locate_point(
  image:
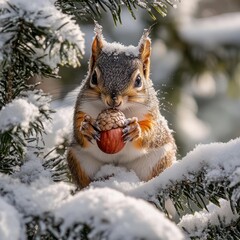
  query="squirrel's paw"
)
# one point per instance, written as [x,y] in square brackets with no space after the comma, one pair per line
[132,129]
[89,129]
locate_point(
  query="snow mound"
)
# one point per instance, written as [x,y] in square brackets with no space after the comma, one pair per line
[219,160]
[44,15]
[117,48]
[109,213]
[9,222]
[197,222]
[18,113]
[116,216]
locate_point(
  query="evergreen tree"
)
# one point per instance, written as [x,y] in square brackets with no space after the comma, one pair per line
[35,39]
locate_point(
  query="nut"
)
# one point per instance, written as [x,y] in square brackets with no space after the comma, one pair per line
[110,118]
[111,141]
[111,122]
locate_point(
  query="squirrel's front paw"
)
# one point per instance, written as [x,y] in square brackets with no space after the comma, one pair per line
[89,129]
[132,129]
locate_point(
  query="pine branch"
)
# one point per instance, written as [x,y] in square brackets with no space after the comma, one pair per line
[17,132]
[58,168]
[37,39]
[94,8]
[229,231]
[194,190]
[208,173]
[46,227]
[33,42]
[215,223]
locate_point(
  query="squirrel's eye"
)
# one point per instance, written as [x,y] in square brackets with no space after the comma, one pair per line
[94,78]
[138,82]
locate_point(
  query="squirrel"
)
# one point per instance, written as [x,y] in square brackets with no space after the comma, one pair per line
[118,77]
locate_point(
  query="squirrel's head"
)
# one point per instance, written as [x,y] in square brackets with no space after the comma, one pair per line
[119,74]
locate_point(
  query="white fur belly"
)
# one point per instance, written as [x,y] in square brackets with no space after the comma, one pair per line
[92,158]
[141,162]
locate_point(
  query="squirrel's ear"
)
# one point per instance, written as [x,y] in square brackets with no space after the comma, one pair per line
[145,52]
[97,43]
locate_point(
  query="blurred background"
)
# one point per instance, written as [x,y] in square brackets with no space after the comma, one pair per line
[195,65]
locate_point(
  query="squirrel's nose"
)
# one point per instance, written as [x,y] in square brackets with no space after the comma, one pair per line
[114,102]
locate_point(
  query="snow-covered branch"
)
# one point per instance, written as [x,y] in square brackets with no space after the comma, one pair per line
[100,211]
[9,217]
[97,213]
[208,172]
[47,33]
[21,123]
[25,113]
[206,223]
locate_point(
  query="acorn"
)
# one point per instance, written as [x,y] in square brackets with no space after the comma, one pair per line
[111,122]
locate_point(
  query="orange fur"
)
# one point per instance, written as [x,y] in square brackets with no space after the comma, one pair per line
[146,126]
[145,52]
[163,163]
[78,119]
[79,176]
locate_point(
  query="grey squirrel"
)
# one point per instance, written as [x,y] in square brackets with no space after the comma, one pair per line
[118,77]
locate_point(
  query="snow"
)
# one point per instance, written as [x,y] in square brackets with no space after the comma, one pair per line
[117,178]
[38,98]
[223,158]
[9,222]
[106,211]
[18,113]
[196,223]
[45,15]
[142,3]
[60,130]
[114,47]
[117,48]
[32,169]
[235,177]
[114,203]
[220,160]
[117,216]
[39,197]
